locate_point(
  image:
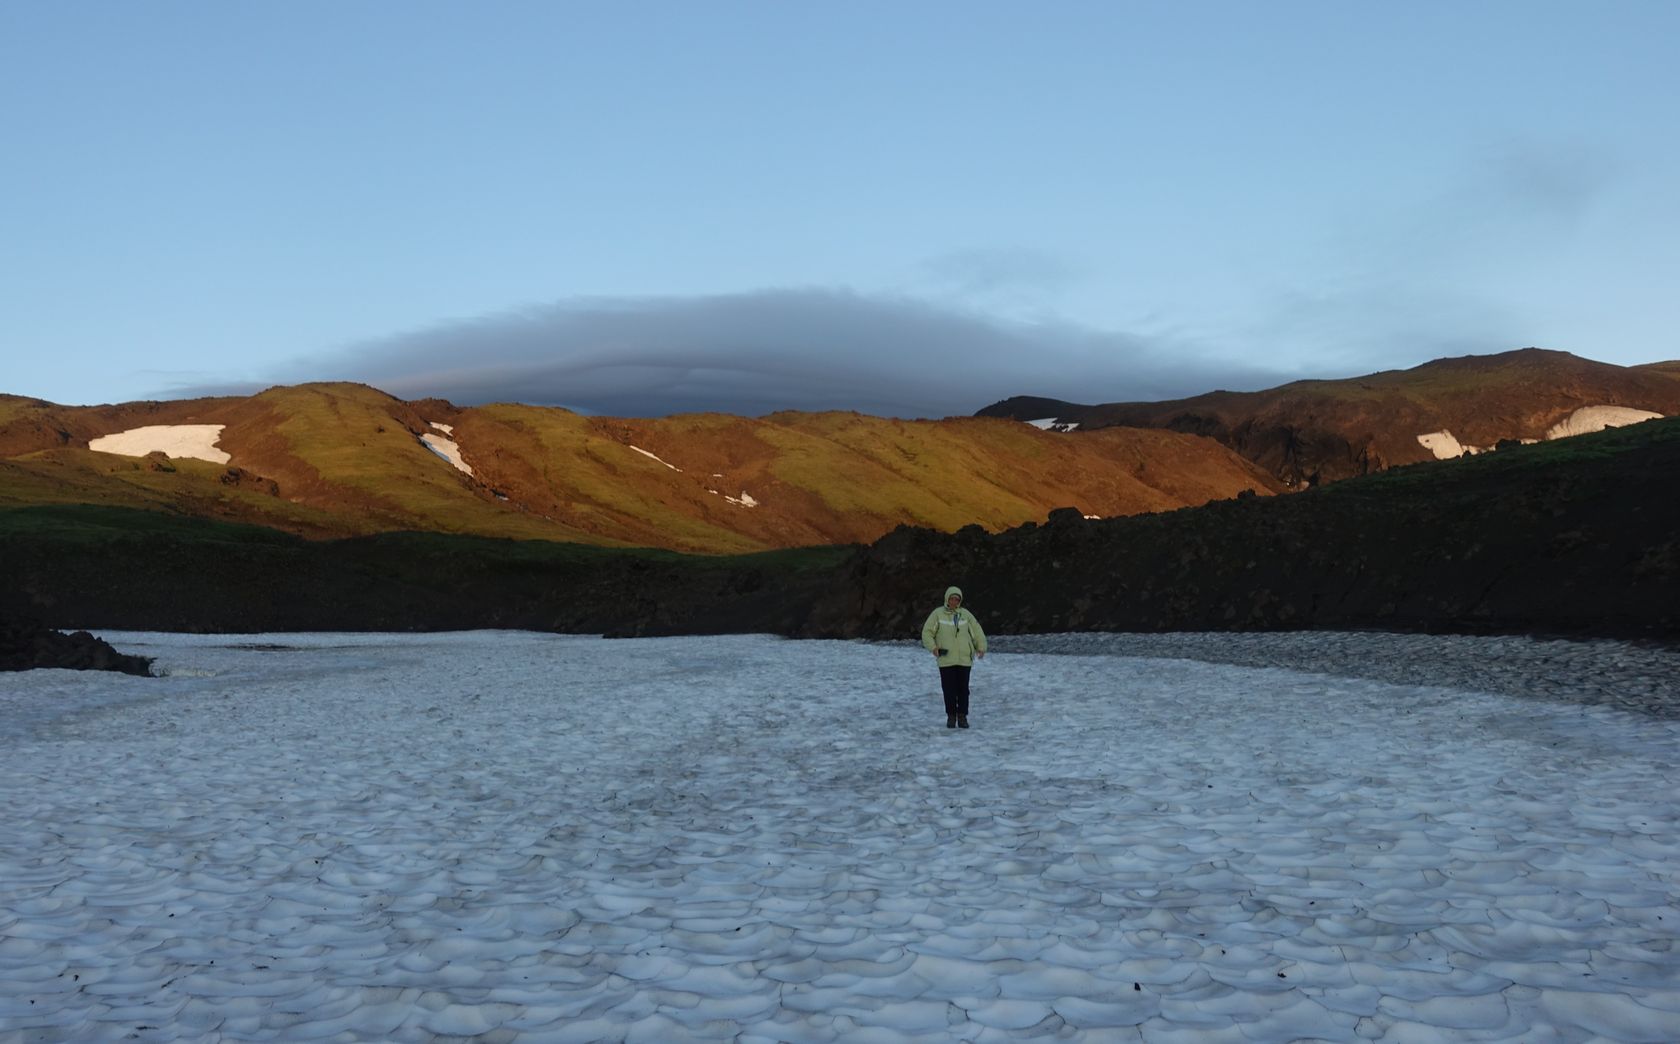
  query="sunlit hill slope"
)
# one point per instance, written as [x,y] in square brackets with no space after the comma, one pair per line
[334,460]
[1306,432]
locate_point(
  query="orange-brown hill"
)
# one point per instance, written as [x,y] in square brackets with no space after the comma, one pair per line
[327,460]
[1310,431]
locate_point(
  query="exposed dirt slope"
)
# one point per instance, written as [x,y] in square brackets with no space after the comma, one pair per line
[1311,431]
[329,460]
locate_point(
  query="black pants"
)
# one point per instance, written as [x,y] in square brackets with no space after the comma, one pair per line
[954,681]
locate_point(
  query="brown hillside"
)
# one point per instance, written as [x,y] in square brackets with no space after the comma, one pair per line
[29,425]
[345,459]
[1671,370]
[1308,431]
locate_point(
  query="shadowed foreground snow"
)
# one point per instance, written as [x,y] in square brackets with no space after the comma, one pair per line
[516,836]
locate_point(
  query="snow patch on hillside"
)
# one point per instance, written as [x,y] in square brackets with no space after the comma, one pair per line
[1444,445]
[1053,424]
[650,456]
[1589,419]
[445,448]
[1583,421]
[744,500]
[173,440]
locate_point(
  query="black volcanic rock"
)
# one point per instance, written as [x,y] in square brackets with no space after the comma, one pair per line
[25,645]
[1575,537]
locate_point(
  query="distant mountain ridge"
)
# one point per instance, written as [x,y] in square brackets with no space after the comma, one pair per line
[337,460]
[1576,536]
[1310,431]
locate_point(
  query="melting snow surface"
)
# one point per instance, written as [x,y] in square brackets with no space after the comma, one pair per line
[446,448]
[745,499]
[384,837]
[1583,421]
[1052,424]
[1596,418]
[1444,445]
[174,440]
[645,453]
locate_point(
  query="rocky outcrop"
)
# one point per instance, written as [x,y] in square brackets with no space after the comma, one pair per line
[25,645]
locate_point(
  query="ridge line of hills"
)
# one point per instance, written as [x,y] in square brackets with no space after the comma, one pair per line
[336,460]
[342,508]
[1311,431]
[1577,537]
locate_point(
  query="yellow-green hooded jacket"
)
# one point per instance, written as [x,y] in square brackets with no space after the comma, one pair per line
[955,631]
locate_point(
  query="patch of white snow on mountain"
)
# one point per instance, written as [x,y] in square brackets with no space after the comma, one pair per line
[174,440]
[745,500]
[1583,421]
[1589,419]
[446,448]
[447,429]
[1445,446]
[645,453]
[1052,424]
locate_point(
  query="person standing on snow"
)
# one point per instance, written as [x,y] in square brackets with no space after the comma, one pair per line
[954,637]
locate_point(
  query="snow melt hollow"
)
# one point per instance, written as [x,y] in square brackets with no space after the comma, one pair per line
[1305,856]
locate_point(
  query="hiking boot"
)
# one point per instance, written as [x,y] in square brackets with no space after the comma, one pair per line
[950,721]
[962,721]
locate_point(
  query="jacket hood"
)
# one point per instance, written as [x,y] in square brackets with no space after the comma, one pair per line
[949,591]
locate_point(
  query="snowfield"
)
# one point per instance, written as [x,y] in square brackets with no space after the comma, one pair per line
[172,440]
[510,836]
[445,446]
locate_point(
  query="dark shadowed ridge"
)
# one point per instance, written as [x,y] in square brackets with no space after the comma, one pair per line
[1580,536]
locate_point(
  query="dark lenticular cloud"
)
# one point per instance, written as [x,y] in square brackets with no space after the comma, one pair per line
[756,353]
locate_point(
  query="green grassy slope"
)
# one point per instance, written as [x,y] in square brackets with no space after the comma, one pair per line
[328,460]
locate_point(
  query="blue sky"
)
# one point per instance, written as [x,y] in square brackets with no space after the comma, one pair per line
[912,208]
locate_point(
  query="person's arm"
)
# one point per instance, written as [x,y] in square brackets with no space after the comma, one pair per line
[978,635]
[928,633]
